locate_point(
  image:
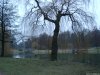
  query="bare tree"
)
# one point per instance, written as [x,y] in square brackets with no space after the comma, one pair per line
[7,18]
[55,11]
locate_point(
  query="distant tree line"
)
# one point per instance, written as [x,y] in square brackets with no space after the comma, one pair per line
[66,40]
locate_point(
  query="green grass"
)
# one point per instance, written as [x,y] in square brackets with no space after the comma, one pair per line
[10,66]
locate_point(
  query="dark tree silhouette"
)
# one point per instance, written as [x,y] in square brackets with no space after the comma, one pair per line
[7,17]
[55,11]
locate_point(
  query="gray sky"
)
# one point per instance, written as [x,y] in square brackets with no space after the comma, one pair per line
[97,11]
[93,8]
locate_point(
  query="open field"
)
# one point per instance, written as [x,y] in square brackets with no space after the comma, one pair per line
[10,66]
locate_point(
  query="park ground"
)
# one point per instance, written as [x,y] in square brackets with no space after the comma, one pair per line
[29,66]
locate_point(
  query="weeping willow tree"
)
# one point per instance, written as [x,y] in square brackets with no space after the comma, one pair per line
[55,11]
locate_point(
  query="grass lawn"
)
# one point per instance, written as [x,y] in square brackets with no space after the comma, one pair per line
[10,66]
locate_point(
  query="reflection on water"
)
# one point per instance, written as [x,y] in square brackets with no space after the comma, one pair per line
[18,56]
[22,54]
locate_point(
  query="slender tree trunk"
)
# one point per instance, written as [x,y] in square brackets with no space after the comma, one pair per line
[3,30]
[2,42]
[3,38]
[55,43]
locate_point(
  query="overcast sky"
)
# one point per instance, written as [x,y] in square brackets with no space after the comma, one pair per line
[97,11]
[93,8]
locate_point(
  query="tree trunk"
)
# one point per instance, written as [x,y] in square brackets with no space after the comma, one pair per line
[2,42]
[3,39]
[3,31]
[54,49]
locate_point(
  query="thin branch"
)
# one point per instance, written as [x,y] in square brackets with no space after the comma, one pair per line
[44,14]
